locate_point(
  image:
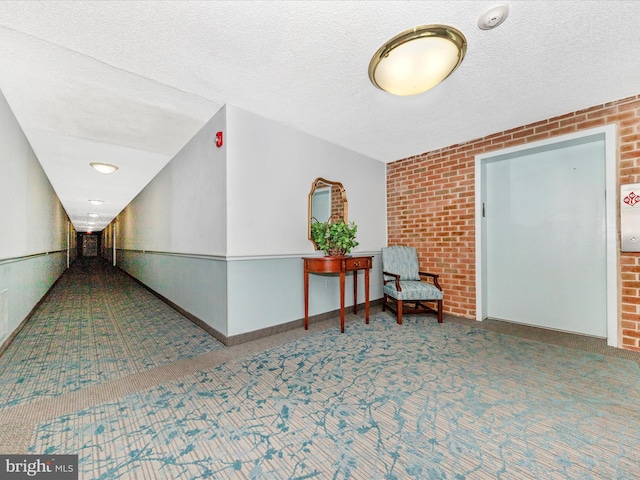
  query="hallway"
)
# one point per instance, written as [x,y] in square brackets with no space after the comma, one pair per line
[96,338]
[106,370]
[95,324]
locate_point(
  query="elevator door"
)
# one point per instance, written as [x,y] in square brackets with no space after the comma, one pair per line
[545,220]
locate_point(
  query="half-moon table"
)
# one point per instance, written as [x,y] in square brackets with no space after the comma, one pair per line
[340,265]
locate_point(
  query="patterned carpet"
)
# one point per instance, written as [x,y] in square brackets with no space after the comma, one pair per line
[384,401]
[96,324]
[381,401]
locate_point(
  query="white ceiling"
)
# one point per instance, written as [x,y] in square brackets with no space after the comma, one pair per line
[130,83]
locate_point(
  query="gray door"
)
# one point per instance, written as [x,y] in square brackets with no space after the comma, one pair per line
[89,245]
[545,238]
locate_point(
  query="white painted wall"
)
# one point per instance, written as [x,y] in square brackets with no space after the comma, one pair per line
[184,208]
[270,171]
[245,205]
[182,212]
[271,168]
[32,222]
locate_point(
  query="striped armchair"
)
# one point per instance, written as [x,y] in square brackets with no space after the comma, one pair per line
[403,284]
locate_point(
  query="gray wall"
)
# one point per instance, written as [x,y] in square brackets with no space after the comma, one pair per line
[270,170]
[221,231]
[33,239]
[172,236]
[196,284]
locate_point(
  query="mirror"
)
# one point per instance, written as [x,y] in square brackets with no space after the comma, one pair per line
[327,202]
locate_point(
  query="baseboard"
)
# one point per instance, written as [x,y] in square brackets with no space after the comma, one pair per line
[268,331]
[249,336]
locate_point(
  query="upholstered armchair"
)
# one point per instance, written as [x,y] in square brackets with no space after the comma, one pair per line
[404,285]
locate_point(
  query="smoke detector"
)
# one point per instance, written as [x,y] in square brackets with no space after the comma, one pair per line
[493,17]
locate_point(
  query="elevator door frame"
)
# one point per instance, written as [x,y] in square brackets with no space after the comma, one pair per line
[609,134]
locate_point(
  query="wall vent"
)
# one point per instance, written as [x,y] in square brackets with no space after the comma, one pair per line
[4,314]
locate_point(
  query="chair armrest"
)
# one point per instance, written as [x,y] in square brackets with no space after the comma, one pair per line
[434,276]
[397,279]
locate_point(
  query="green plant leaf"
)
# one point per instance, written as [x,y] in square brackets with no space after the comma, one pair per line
[335,235]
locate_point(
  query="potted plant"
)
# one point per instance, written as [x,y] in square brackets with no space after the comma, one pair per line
[334,238]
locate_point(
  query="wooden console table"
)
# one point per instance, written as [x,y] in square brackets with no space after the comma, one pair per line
[339,265]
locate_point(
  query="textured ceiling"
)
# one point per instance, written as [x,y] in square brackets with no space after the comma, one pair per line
[130,83]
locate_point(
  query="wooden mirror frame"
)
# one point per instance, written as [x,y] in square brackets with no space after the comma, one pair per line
[320,183]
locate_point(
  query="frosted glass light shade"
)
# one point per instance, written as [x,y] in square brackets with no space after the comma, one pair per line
[417,60]
[104,167]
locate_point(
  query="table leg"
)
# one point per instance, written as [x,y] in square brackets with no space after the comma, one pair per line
[306,300]
[366,293]
[355,292]
[342,275]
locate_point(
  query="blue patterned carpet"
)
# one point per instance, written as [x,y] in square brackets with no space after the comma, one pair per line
[96,324]
[382,401]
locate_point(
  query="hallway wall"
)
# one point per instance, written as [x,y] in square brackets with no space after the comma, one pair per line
[220,232]
[270,170]
[172,236]
[33,243]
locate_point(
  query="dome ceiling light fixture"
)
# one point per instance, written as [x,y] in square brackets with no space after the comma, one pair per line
[418,59]
[105,168]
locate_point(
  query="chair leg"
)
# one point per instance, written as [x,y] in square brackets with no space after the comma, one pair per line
[439,311]
[384,302]
[399,313]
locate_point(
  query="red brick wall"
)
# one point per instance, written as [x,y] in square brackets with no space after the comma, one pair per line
[337,202]
[431,203]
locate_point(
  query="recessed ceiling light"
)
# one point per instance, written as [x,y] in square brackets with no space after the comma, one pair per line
[104,167]
[96,202]
[418,59]
[92,214]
